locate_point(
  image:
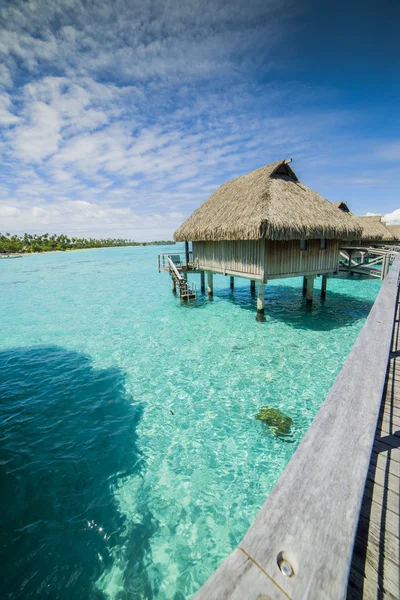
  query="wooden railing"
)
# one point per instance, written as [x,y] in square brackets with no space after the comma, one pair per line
[374,262]
[300,544]
[186,290]
[163,264]
[175,271]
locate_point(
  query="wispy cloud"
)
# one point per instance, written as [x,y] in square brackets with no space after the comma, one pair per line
[126,115]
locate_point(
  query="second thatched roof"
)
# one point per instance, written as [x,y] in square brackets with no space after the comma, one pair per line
[374,230]
[394,231]
[267,203]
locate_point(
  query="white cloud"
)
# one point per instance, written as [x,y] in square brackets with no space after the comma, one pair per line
[5,77]
[7,118]
[87,218]
[118,119]
[39,136]
[392,218]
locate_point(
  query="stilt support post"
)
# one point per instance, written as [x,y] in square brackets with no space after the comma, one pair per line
[323,286]
[304,286]
[261,302]
[310,289]
[210,284]
[202,282]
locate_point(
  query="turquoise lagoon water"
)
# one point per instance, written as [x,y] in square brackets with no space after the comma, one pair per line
[131,462]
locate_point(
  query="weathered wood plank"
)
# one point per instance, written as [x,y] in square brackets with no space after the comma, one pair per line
[236,574]
[374,564]
[388,480]
[387,546]
[387,519]
[376,550]
[361,588]
[378,494]
[383,461]
[285,257]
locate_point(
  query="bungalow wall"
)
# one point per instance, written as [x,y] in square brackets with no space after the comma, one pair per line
[265,259]
[285,258]
[243,257]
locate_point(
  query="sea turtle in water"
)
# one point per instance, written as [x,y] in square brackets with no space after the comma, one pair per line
[280,424]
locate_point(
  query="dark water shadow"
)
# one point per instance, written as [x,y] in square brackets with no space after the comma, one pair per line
[68,436]
[286,303]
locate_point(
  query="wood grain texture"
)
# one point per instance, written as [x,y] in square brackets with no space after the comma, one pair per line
[246,257]
[314,508]
[238,579]
[375,569]
[286,258]
[263,259]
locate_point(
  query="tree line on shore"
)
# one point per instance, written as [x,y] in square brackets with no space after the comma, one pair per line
[28,243]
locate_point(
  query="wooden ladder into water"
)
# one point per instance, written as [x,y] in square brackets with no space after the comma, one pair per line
[186,291]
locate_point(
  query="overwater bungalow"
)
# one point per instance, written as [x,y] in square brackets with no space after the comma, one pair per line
[373,230]
[267,225]
[395,231]
[373,251]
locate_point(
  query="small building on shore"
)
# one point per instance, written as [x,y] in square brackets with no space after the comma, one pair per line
[267,225]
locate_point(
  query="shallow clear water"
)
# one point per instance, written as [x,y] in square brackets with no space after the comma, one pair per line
[131,462]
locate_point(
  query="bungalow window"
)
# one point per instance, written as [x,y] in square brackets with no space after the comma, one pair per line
[303,244]
[323,244]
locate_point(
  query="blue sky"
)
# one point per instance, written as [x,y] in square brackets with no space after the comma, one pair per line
[118,118]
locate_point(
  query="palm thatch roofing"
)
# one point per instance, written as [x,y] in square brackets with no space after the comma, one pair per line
[374,230]
[267,203]
[395,231]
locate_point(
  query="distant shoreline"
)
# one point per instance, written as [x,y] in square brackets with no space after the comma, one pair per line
[13,254]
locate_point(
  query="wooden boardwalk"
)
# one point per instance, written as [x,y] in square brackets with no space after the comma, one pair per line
[375,570]
[310,530]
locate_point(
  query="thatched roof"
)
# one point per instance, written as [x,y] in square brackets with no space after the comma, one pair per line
[373,229]
[267,203]
[394,231]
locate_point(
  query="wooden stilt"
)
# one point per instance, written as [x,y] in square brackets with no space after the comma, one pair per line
[350,253]
[202,282]
[232,282]
[173,285]
[252,286]
[323,286]
[210,284]
[385,266]
[187,254]
[260,302]
[310,289]
[304,286]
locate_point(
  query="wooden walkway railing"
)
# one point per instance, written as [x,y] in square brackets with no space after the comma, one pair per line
[374,262]
[300,545]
